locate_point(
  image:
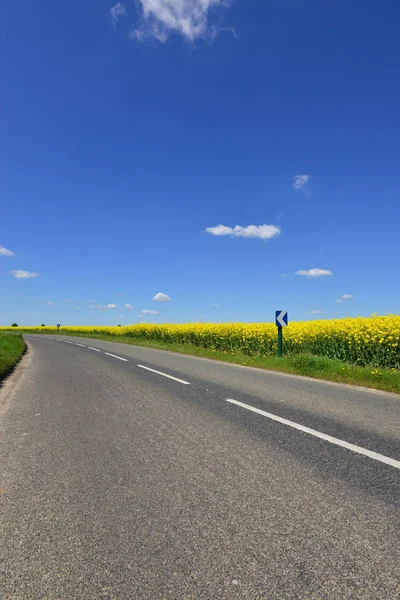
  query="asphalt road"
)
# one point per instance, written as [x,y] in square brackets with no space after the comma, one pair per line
[117,482]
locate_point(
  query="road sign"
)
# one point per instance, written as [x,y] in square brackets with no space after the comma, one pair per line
[281,318]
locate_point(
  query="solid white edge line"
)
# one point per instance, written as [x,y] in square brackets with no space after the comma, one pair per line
[164,375]
[82,345]
[323,436]
[95,349]
[114,356]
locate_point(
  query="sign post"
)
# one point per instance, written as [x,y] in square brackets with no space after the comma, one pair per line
[58,327]
[281,320]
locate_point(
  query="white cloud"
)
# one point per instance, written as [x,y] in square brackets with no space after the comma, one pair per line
[316,312]
[300,181]
[347,296]
[160,297]
[19,274]
[339,301]
[149,312]
[189,18]
[101,307]
[51,303]
[79,308]
[215,304]
[93,301]
[263,232]
[6,252]
[128,306]
[116,12]
[121,317]
[314,272]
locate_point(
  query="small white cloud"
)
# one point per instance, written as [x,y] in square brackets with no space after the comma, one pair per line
[215,304]
[314,273]
[316,312]
[116,12]
[79,308]
[6,252]
[347,296]
[51,303]
[262,232]
[19,274]
[189,18]
[149,312]
[121,317]
[111,306]
[199,320]
[93,301]
[128,306]
[339,301]
[299,181]
[160,297]
[284,275]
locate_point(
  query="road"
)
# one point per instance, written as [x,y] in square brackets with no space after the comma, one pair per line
[183,478]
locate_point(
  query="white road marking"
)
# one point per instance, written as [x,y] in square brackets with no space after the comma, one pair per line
[165,375]
[323,436]
[95,349]
[65,342]
[82,345]
[114,356]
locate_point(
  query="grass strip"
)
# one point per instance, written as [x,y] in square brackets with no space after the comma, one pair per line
[309,365]
[12,347]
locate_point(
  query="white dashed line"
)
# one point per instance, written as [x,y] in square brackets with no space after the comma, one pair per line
[323,436]
[95,349]
[82,345]
[65,342]
[165,375]
[114,356]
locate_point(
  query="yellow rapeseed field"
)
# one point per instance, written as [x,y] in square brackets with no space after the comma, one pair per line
[371,341]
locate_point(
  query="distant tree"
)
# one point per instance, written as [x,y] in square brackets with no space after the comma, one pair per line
[119,325]
[14,325]
[43,325]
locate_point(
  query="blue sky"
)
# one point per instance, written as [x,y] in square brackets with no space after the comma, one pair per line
[132,131]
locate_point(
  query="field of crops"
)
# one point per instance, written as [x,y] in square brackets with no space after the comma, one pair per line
[363,341]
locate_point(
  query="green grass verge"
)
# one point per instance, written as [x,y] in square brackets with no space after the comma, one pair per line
[12,347]
[319,367]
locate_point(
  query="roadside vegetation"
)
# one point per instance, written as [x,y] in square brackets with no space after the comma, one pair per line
[358,351]
[12,347]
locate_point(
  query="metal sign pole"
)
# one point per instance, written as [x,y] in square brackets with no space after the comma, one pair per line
[280,342]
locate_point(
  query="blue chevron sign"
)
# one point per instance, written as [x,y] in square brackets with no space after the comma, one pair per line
[281,318]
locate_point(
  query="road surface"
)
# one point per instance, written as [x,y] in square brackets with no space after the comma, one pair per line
[129,473]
